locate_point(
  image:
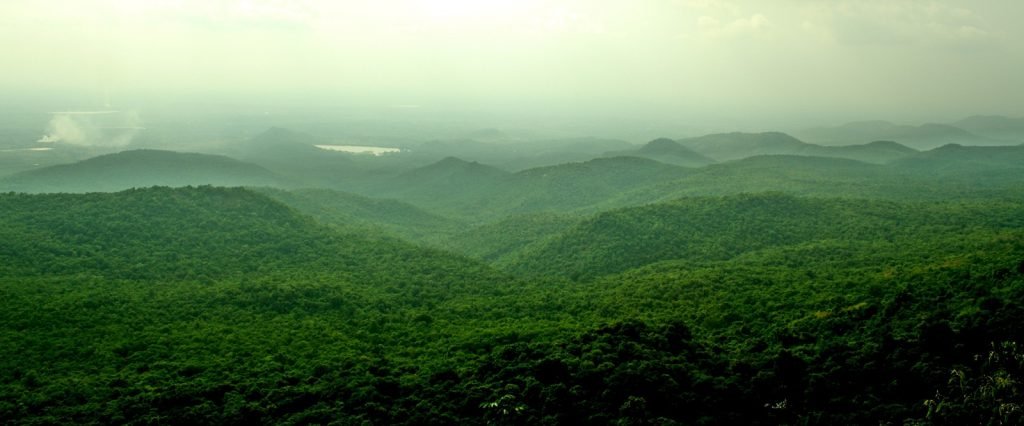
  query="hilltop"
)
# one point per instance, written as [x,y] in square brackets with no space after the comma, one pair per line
[925,136]
[718,229]
[998,127]
[141,168]
[355,211]
[666,151]
[737,145]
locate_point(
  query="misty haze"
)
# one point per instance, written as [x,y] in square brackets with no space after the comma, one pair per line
[512,212]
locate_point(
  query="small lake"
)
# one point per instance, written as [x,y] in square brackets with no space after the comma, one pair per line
[27,149]
[358,149]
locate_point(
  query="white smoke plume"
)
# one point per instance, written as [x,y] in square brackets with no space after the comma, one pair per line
[92,128]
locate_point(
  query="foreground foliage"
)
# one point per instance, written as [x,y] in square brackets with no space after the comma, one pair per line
[213,306]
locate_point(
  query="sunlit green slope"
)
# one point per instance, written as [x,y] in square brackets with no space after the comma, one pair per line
[723,228]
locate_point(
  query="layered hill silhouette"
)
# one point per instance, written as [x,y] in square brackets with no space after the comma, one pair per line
[998,127]
[925,136]
[878,152]
[983,166]
[294,155]
[450,170]
[735,146]
[666,151]
[516,155]
[141,168]
[280,144]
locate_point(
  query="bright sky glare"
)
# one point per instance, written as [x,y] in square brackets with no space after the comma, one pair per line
[851,58]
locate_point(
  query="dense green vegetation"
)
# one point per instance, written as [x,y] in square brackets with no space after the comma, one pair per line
[211,305]
[724,228]
[552,282]
[354,211]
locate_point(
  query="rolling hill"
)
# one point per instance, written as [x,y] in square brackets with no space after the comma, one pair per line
[141,168]
[734,146]
[877,152]
[223,306]
[479,193]
[926,136]
[666,151]
[516,155]
[355,211]
[969,156]
[997,127]
[719,229]
[493,241]
[582,186]
[800,175]
[984,167]
[910,179]
[209,231]
[172,294]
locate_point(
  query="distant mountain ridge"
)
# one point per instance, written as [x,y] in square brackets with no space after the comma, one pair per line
[280,147]
[995,127]
[142,168]
[925,136]
[955,158]
[449,167]
[666,151]
[738,145]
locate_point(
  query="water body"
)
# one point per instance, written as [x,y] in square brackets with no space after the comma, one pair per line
[26,149]
[357,149]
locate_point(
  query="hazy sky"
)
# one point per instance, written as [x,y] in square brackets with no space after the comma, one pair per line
[772,59]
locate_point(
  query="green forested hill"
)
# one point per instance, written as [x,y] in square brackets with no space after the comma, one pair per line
[494,241]
[666,151]
[350,210]
[581,186]
[477,192]
[452,174]
[224,306]
[151,304]
[191,233]
[448,181]
[722,228]
[835,177]
[925,136]
[140,168]
[838,332]
[878,152]
[737,145]
[953,159]
[516,154]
